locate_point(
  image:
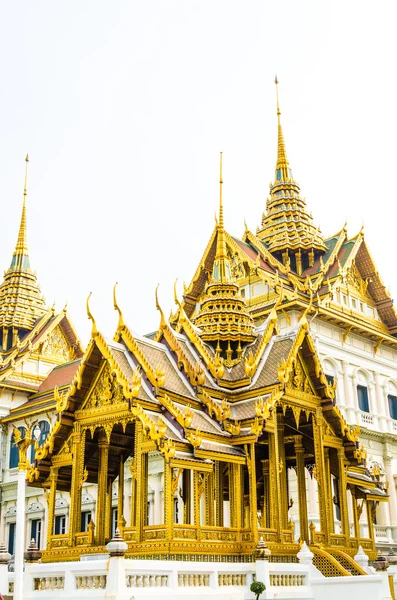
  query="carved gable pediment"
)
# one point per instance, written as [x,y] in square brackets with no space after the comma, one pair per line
[105,391]
[299,379]
[56,346]
[354,280]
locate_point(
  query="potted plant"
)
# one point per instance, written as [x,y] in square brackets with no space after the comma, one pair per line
[257,587]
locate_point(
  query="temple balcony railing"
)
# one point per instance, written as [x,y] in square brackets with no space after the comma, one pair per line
[366,419]
[382,534]
[221,534]
[59,540]
[337,539]
[154,532]
[185,531]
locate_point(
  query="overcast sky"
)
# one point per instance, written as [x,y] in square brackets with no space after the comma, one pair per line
[124,106]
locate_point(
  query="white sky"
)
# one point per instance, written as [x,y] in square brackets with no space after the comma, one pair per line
[124,106]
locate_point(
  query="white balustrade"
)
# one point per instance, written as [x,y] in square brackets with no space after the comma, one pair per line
[367,418]
[193,579]
[381,534]
[287,579]
[90,582]
[232,579]
[41,584]
[146,580]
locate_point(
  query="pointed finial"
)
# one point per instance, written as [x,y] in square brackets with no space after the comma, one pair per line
[162,321]
[120,324]
[282,166]
[176,299]
[278,105]
[20,259]
[220,194]
[26,175]
[94,330]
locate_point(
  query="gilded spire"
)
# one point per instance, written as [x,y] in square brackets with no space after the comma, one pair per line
[20,259]
[283,172]
[287,228]
[223,317]
[221,270]
[21,303]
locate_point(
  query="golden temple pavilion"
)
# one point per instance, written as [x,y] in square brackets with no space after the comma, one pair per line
[225,402]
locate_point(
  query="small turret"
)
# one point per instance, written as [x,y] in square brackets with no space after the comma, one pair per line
[223,318]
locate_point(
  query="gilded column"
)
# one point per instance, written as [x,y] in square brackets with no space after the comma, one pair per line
[196,503]
[275,486]
[103,448]
[266,495]
[323,497]
[108,510]
[168,501]
[120,500]
[329,490]
[52,493]
[344,513]
[371,531]
[252,488]
[139,484]
[283,470]
[219,493]
[356,518]
[301,478]
[210,499]
[238,495]
[78,445]
[187,496]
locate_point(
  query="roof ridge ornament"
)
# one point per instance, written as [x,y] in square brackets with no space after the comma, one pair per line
[94,329]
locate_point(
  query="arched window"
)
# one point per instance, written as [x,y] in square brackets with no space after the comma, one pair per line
[14,454]
[362,394]
[362,391]
[44,431]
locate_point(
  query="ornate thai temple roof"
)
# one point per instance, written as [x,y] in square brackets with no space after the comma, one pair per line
[287,225]
[21,301]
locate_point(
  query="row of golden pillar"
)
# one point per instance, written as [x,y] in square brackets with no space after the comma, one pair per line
[243,506]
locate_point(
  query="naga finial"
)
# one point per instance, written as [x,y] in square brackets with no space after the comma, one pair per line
[120,324]
[162,322]
[94,330]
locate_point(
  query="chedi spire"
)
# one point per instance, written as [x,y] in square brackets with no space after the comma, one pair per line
[287,229]
[21,302]
[223,318]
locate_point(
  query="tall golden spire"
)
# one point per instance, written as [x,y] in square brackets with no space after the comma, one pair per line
[221,270]
[21,302]
[20,259]
[287,228]
[223,318]
[283,172]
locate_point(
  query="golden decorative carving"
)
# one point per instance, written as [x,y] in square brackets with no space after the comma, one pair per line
[56,345]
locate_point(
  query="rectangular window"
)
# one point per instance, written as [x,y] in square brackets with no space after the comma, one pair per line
[344,299]
[114,521]
[354,303]
[60,525]
[35,531]
[392,406]
[362,394]
[11,538]
[85,519]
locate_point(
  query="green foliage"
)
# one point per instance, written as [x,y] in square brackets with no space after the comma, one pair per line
[257,587]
